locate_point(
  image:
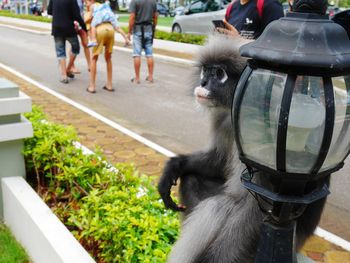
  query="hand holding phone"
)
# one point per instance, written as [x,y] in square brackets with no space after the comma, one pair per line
[219,23]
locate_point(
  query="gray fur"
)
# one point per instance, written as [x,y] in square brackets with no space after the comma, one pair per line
[222,221]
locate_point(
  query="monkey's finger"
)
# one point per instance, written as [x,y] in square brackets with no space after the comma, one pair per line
[181,207]
[169,203]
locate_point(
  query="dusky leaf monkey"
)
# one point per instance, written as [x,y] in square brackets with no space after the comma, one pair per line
[204,173]
[222,219]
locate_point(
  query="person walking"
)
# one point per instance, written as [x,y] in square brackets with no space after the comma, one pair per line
[104,40]
[64,13]
[83,39]
[248,18]
[142,24]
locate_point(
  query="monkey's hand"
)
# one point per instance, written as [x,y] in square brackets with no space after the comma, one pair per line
[173,170]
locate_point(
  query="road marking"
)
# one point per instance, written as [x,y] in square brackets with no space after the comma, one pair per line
[96,115]
[333,238]
[128,50]
[319,231]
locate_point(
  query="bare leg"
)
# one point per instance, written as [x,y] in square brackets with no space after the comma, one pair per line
[137,66]
[108,57]
[74,68]
[71,62]
[62,63]
[150,65]
[84,42]
[93,34]
[92,85]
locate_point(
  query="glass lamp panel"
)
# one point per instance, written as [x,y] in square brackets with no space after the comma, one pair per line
[259,114]
[340,143]
[306,122]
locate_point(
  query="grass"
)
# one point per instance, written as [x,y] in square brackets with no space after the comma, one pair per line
[28,17]
[10,249]
[162,21]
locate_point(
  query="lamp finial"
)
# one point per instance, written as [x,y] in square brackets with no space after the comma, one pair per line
[310,6]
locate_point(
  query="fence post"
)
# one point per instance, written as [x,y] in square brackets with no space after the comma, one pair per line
[13,129]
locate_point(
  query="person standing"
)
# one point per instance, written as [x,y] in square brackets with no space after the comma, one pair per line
[64,13]
[248,18]
[142,24]
[83,38]
[104,40]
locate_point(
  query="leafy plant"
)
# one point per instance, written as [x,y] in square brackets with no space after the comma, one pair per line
[128,223]
[183,38]
[113,211]
[27,17]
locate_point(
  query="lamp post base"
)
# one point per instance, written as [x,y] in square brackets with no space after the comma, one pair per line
[276,244]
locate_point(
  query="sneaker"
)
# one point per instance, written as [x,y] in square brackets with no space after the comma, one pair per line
[92,44]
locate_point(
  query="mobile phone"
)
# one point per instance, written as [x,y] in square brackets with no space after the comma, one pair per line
[219,23]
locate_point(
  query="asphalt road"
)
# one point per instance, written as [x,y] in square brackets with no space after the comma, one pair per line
[163,112]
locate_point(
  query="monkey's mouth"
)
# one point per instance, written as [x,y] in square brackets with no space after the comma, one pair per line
[203,97]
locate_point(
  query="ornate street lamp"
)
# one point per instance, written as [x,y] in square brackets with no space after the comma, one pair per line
[291,114]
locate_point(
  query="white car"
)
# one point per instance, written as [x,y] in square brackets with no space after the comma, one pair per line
[198,17]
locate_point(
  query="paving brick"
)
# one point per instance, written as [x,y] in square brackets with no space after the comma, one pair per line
[144,151]
[317,244]
[316,256]
[125,154]
[337,257]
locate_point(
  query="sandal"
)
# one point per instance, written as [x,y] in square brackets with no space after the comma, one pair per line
[105,88]
[133,80]
[90,91]
[70,75]
[149,80]
[64,80]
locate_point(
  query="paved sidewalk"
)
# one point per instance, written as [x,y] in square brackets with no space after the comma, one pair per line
[119,147]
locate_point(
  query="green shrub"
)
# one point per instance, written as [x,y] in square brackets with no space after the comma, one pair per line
[178,37]
[123,10]
[28,17]
[116,214]
[128,223]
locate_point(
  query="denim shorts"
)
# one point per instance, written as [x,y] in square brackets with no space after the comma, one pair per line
[60,45]
[137,44]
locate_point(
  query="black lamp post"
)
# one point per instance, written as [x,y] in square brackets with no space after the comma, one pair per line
[291,114]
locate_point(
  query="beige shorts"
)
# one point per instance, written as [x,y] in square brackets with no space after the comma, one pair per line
[104,38]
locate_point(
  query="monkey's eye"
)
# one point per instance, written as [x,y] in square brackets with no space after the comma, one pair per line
[221,75]
[203,71]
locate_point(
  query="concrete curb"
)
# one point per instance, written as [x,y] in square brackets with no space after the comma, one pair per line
[41,233]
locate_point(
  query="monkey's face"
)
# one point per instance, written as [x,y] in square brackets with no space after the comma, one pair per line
[216,86]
